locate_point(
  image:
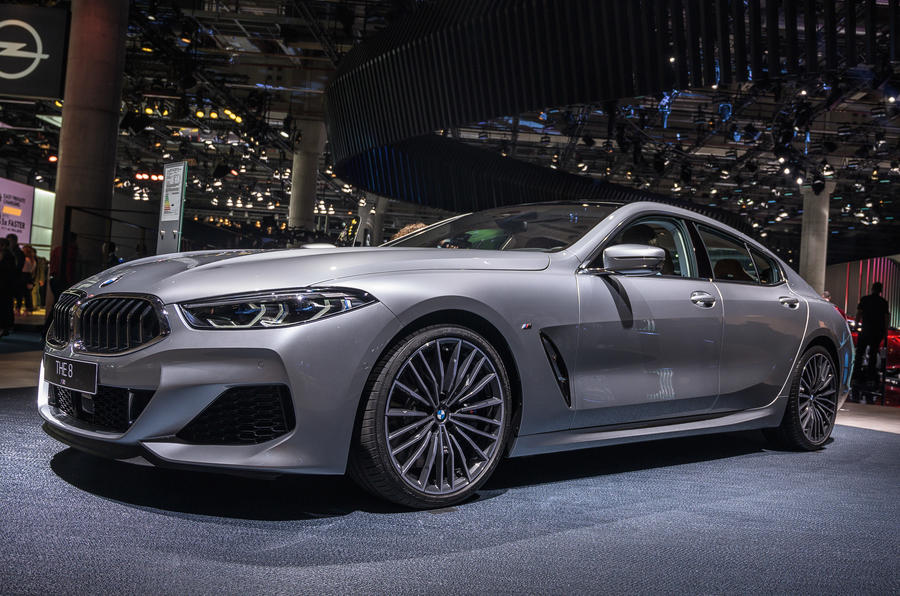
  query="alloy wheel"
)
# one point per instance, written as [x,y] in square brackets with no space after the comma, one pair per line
[817,405]
[444,418]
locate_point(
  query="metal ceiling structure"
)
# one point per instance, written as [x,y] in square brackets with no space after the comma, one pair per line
[734,105]
[699,133]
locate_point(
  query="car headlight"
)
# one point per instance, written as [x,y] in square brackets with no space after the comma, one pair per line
[280,308]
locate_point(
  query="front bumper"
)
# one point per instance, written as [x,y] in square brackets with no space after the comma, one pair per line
[325,365]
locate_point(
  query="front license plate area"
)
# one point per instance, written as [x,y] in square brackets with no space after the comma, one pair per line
[71,374]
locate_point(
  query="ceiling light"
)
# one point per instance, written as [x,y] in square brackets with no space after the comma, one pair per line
[799,179]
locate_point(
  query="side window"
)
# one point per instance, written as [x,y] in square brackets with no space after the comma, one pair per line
[728,257]
[665,233]
[769,272]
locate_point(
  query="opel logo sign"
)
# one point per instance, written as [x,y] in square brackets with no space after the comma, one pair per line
[16,49]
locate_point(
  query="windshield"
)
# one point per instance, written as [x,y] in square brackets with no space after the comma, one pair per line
[545,227]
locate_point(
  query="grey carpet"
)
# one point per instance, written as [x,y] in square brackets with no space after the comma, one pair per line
[716,514]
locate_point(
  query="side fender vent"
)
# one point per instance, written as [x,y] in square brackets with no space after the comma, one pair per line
[558,365]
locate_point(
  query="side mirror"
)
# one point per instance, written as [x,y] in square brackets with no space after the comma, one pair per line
[633,259]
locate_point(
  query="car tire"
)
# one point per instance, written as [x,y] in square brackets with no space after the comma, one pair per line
[427,439]
[811,405]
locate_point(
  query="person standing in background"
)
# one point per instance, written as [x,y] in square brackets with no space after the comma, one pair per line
[112,259]
[59,279]
[874,315]
[18,285]
[9,275]
[38,293]
[28,268]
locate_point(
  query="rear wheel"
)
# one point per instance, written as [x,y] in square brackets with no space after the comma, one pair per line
[812,403]
[435,419]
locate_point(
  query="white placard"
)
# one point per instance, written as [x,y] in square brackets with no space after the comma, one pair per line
[173,191]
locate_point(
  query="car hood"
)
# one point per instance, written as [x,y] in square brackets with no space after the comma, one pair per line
[186,276]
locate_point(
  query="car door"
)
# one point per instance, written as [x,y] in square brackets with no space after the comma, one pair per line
[648,346]
[764,321]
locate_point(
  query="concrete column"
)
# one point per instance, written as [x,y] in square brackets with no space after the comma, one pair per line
[304,173]
[90,124]
[814,236]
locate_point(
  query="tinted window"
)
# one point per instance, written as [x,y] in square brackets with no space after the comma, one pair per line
[766,267]
[661,232]
[728,257]
[548,227]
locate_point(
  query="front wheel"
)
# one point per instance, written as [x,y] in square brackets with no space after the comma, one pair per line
[435,420]
[812,403]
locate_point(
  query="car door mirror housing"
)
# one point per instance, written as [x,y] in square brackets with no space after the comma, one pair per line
[633,259]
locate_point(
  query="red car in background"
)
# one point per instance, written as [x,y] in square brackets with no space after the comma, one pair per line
[892,367]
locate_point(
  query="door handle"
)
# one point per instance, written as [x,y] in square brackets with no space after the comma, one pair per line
[703,299]
[789,301]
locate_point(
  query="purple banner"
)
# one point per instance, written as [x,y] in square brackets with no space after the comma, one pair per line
[16,205]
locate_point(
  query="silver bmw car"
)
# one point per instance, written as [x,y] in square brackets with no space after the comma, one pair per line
[419,365]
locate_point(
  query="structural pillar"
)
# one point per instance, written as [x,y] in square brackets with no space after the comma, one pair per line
[90,126]
[304,173]
[814,236]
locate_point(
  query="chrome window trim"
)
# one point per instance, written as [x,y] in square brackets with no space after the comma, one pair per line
[158,306]
[679,219]
[749,248]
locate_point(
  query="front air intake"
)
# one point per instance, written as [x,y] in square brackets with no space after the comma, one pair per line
[243,416]
[111,408]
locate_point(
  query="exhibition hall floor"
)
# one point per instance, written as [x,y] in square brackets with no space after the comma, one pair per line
[713,514]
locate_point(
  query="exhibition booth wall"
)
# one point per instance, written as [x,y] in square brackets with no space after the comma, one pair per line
[27,212]
[848,282]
